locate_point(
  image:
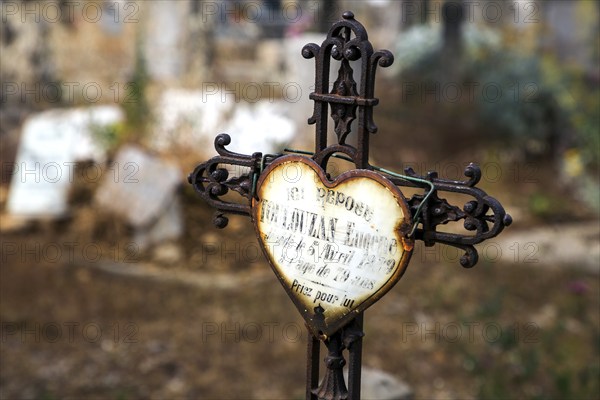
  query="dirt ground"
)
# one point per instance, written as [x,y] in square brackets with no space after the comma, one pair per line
[217,324]
[73,330]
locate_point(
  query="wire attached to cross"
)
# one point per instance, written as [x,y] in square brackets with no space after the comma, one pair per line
[418,211]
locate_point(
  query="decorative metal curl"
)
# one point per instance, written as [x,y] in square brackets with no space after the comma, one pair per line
[475,213]
[211,181]
[346,41]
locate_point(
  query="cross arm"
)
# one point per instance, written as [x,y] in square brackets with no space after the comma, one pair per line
[212,180]
[483,215]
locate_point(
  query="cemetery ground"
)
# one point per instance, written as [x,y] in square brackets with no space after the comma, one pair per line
[217,324]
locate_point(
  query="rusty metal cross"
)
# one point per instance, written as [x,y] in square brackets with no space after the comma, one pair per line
[347,101]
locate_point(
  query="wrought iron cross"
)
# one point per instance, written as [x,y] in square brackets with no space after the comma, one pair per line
[348,100]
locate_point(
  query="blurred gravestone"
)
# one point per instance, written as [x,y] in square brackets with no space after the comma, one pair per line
[144,195]
[379,385]
[165,37]
[453,16]
[51,144]
[300,80]
[452,39]
[272,21]
[189,119]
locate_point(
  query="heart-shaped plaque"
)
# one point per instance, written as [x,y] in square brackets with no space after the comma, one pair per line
[336,246]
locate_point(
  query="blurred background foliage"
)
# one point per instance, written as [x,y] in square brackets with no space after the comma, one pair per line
[504,86]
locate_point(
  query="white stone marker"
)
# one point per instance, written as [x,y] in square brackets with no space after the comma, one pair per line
[51,144]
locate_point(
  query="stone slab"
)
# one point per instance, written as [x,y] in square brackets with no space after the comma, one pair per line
[143,189]
[51,143]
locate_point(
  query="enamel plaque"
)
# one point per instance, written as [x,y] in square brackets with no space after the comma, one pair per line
[336,246]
